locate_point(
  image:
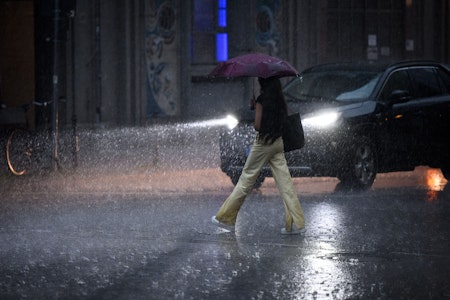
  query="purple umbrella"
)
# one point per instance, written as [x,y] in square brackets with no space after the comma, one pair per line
[254,65]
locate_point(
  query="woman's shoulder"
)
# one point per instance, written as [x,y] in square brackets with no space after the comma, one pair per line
[264,99]
[260,98]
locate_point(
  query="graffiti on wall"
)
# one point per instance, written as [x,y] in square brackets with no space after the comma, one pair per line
[266,29]
[161,59]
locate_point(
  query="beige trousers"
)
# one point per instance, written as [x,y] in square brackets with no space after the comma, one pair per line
[261,154]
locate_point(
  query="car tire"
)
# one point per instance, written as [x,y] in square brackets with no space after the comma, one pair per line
[360,165]
[446,172]
[259,181]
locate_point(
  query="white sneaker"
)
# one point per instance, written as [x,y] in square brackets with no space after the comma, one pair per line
[294,230]
[222,225]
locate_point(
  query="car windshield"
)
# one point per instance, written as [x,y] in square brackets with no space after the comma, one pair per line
[332,85]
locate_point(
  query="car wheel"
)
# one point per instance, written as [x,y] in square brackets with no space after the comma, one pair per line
[360,165]
[258,183]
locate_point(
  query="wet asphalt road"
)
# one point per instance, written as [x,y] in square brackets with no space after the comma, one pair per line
[70,239]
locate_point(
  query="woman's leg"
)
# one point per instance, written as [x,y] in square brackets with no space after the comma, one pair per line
[286,188]
[255,162]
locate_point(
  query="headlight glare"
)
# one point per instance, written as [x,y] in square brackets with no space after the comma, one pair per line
[231,121]
[323,120]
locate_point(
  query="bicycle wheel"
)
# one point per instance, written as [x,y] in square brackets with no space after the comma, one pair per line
[19,149]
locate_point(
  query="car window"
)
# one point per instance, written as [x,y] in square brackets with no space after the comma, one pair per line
[425,82]
[360,92]
[399,80]
[445,78]
[335,85]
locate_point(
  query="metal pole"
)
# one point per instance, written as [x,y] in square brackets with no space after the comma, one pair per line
[98,62]
[55,82]
[74,113]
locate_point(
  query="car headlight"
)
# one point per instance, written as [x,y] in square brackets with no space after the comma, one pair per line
[231,121]
[322,120]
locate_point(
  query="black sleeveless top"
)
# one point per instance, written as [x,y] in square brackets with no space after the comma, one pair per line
[272,119]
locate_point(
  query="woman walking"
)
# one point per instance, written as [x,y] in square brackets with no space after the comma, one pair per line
[270,112]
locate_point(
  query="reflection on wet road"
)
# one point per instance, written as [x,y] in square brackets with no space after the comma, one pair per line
[141,236]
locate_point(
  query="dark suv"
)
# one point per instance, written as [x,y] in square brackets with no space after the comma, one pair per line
[359,119]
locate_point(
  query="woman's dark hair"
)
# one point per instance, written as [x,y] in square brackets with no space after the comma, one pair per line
[272,89]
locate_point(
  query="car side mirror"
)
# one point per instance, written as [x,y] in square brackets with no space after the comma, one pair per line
[399,96]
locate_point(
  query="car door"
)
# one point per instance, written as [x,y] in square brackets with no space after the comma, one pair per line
[403,123]
[431,84]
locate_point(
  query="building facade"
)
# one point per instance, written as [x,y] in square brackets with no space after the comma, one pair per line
[133,62]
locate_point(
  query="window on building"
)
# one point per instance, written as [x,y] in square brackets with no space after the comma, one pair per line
[209,43]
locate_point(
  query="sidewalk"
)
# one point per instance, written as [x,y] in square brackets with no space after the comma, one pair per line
[210,180]
[196,181]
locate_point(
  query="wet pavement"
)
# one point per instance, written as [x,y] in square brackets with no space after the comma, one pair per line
[147,235]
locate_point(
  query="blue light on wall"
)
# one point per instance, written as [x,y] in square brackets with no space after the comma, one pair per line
[222,14]
[221,46]
[222,37]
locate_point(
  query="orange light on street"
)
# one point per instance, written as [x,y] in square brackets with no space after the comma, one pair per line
[435,182]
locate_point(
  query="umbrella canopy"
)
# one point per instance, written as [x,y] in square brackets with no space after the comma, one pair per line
[254,65]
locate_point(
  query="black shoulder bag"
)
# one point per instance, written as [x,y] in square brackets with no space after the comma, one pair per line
[293,136]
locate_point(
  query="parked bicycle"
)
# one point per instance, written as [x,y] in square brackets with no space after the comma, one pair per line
[27,146]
